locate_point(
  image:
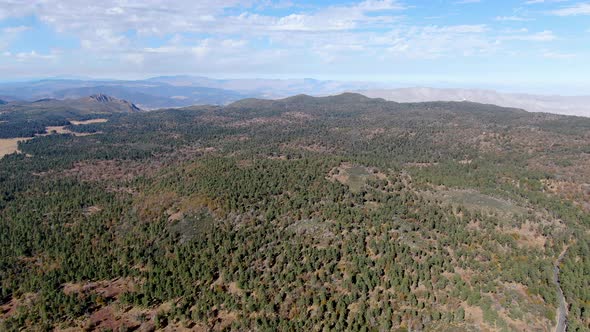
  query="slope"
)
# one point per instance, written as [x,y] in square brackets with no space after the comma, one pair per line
[305,213]
[25,119]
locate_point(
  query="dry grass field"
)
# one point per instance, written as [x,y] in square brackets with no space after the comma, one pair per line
[10,145]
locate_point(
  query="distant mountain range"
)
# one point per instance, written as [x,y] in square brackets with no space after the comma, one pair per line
[182,91]
[566,105]
[95,104]
[174,91]
[268,88]
[146,94]
[30,118]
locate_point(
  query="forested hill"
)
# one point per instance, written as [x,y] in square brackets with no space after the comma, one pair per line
[350,103]
[354,105]
[26,119]
[306,101]
[333,213]
[87,105]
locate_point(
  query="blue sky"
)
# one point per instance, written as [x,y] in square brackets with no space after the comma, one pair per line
[521,45]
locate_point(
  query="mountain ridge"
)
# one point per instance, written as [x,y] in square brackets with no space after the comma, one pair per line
[94,104]
[565,105]
[185,91]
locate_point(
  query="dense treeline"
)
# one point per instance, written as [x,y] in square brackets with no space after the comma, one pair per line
[333,213]
[12,129]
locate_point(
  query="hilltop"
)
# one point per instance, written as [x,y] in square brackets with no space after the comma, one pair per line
[25,119]
[99,103]
[568,105]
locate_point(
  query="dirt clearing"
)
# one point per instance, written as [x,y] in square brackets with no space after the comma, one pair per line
[77,123]
[10,145]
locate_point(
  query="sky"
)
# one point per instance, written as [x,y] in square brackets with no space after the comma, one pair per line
[524,45]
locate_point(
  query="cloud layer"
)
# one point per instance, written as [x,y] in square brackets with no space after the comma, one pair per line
[237,37]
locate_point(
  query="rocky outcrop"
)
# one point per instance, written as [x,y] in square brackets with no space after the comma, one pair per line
[123,105]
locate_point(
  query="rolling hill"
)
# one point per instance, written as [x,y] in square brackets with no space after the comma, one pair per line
[568,105]
[305,213]
[81,106]
[26,119]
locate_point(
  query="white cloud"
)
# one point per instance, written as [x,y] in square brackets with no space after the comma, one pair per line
[512,18]
[543,36]
[240,37]
[534,2]
[206,50]
[334,18]
[297,22]
[377,5]
[32,55]
[153,16]
[102,39]
[558,55]
[433,42]
[160,17]
[514,31]
[10,34]
[464,2]
[134,58]
[577,9]
[476,28]
[15,30]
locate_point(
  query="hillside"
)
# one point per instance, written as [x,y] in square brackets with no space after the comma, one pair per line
[25,119]
[332,213]
[157,96]
[568,105]
[86,105]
